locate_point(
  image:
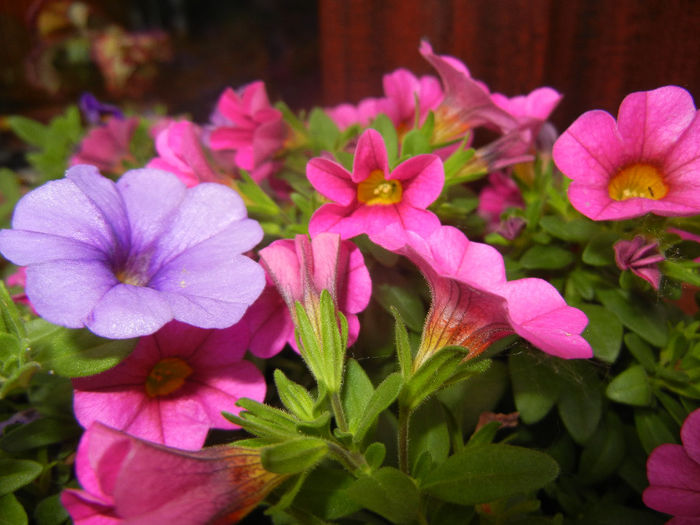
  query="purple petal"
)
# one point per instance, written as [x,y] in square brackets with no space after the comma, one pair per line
[26,247]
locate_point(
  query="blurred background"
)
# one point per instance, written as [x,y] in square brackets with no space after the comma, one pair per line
[183,53]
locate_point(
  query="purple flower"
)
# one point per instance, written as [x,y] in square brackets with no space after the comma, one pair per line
[94,110]
[641,258]
[124,259]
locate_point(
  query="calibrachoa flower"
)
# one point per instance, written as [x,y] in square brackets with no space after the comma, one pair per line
[107,146]
[124,259]
[674,476]
[246,123]
[93,110]
[500,193]
[172,388]
[301,269]
[641,258]
[180,152]
[474,305]
[372,197]
[127,480]
[646,162]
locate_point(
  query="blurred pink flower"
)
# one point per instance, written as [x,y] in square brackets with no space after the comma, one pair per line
[674,476]
[648,161]
[372,197]
[500,193]
[172,388]
[345,115]
[301,269]
[107,146]
[248,125]
[641,258]
[127,480]
[19,279]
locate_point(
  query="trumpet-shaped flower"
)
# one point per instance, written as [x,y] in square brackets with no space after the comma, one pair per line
[674,476]
[172,388]
[648,161]
[301,269]
[180,152]
[372,197]
[641,258]
[124,259]
[474,305]
[127,480]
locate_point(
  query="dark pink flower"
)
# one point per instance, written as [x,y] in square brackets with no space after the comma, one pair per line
[500,193]
[641,258]
[127,480]
[372,197]
[107,146]
[172,388]
[301,269]
[674,476]
[648,161]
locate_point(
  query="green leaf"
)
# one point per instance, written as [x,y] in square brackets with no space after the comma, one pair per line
[75,353]
[428,433]
[631,387]
[432,375]
[256,200]
[11,511]
[405,300]
[324,132]
[599,251]
[50,511]
[576,230]
[580,402]
[485,473]
[535,386]
[603,332]
[357,391]
[375,455]
[293,456]
[385,126]
[686,271]
[388,492]
[541,257]
[16,473]
[19,378]
[39,433]
[638,314]
[385,394]
[10,320]
[604,452]
[403,346]
[641,351]
[30,131]
[323,493]
[653,430]
[415,143]
[9,195]
[294,396]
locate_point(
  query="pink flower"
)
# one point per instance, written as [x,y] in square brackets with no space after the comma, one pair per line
[372,197]
[641,258]
[646,162]
[301,269]
[500,193]
[674,476]
[345,115]
[19,279]
[247,124]
[127,480]
[180,152]
[172,388]
[107,146]
[403,89]
[474,305]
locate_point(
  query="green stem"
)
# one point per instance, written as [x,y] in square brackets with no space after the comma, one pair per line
[353,461]
[404,419]
[338,412]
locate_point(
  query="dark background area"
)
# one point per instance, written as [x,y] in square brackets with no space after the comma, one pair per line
[333,51]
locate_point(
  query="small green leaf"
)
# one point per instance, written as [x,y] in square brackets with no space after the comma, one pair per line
[638,314]
[415,143]
[385,126]
[294,396]
[686,271]
[385,394]
[604,452]
[324,132]
[16,473]
[428,433]
[432,375]
[576,230]
[10,320]
[406,301]
[580,402]
[641,351]
[357,391]
[30,131]
[375,455]
[603,332]
[599,251]
[631,387]
[11,511]
[403,346]
[535,386]
[388,492]
[293,456]
[484,473]
[541,257]
[256,200]
[323,493]
[39,433]
[50,511]
[653,430]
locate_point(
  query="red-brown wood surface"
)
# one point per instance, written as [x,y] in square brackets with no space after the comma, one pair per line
[593,51]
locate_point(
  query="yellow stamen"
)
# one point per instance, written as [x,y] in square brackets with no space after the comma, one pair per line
[167,376]
[375,189]
[637,180]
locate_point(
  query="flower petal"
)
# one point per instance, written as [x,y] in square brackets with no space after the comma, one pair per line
[331,180]
[423,177]
[690,435]
[370,155]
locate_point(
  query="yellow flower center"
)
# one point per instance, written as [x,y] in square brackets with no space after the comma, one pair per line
[167,376]
[637,180]
[375,189]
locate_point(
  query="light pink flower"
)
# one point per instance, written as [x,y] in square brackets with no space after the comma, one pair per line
[127,480]
[474,305]
[402,89]
[247,124]
[172,388]
[674,476]
[648,161]
[107,146]
[345,115]
[180,152]
[19,279]
[301,269]
[641,258]
[500,193]
[372,197]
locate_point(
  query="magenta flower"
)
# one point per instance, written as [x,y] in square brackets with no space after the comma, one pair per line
[641,258]
[247,124]
[124,259]
[500,193]
[674,476]
[127,480]
[107,146]
[473,305]
[646,162]
[269,322]
[372,197]
[301,269]
[345,115]
[172,388]
[180,152]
